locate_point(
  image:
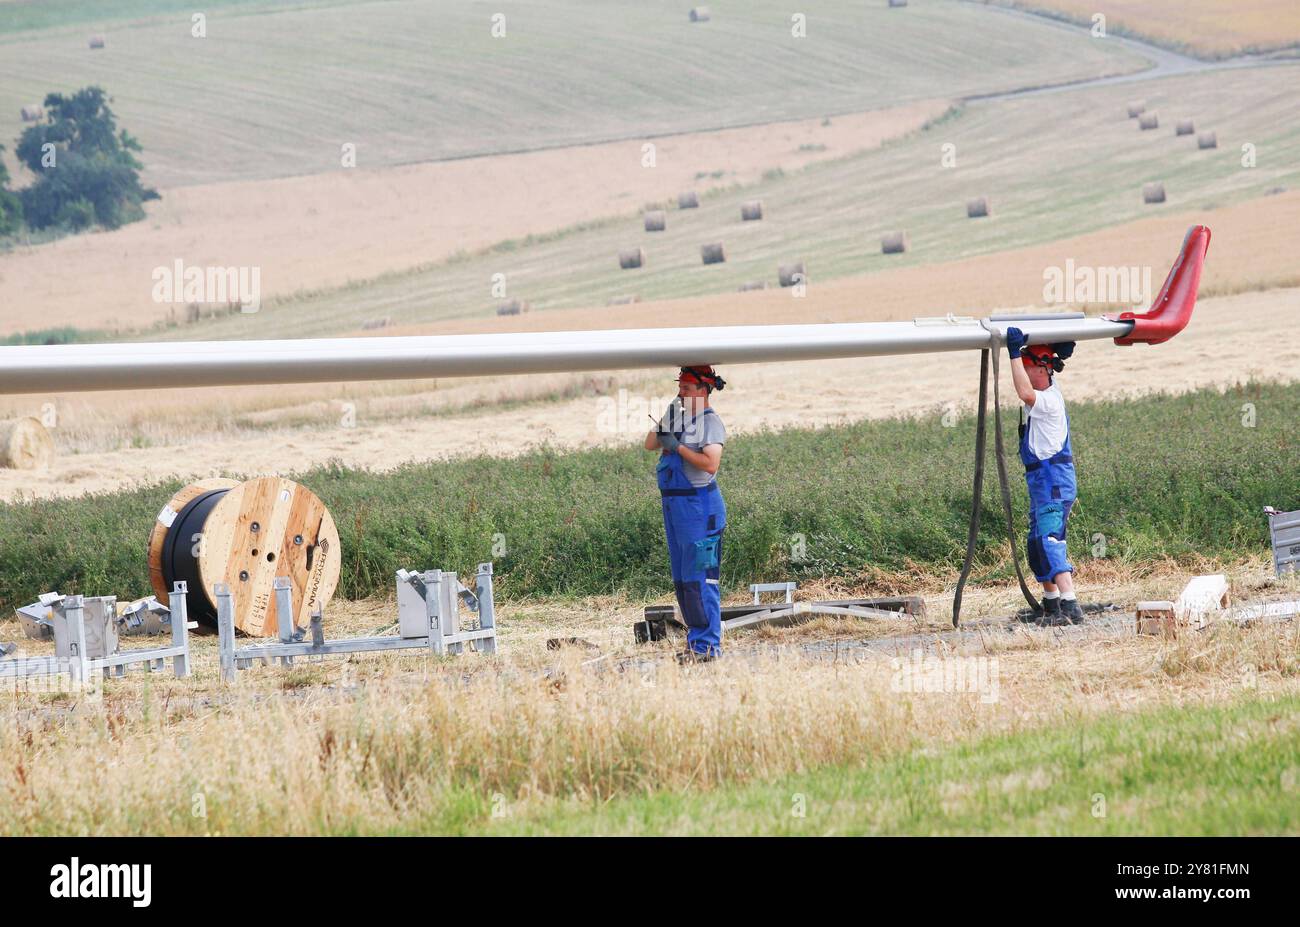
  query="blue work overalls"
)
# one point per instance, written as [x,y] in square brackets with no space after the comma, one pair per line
[694,518]
[1052,491]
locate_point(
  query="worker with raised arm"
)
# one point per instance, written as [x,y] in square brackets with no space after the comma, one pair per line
[1049,471]
[689,438]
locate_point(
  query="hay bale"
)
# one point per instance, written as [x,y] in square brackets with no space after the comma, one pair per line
[656,220]
[1136,109]
[370,325]
[25,444]
[1148,121]
[1153,193]
[894,243]
[700,14]
[96,41]
[512,307]
[32,113]
[688,200]
[1207,140]
[1185,127]
[785,274]
[977,208]
[713,253]
[751,211]
[896,3]
[630,260]
[624,300]
[752,285]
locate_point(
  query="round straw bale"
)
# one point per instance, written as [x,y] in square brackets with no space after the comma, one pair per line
[894,243]
[894,3]
[713,253]
[751,211]
[25,444]
[752,285]
[786,273]
[32,113]
[1136,109]
[1148,121]
[700,14]
[977,208]
[512,307]
[688,200]
[1153,193]
[1185,127]
[624,300]
[96,41]
[631,259]
[656,220]
[1207,140]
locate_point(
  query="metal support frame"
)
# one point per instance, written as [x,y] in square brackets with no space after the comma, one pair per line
[439,594]
[79,666]
[1284,539]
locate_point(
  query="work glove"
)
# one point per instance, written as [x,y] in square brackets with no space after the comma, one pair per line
[1063,349]
[669,442]
[1015,342]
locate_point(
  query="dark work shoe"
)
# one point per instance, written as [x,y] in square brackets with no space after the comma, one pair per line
[1051,607]
[689,657]
[1072,610]
[1052,616]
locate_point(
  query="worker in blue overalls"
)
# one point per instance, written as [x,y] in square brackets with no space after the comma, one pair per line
[690,437]
[1049,471]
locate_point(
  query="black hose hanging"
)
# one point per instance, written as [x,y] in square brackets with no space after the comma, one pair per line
[977,493]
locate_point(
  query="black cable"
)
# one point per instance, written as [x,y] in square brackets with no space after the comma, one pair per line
[978,489]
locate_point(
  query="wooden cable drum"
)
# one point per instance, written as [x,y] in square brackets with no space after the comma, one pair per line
[25,444]
[244,535]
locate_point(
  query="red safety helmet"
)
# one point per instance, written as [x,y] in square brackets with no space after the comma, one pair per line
[1042,355]
[706,375]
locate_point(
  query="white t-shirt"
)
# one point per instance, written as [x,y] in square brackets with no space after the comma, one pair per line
[1048,427]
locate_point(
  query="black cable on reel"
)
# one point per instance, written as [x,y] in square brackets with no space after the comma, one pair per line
[179,557]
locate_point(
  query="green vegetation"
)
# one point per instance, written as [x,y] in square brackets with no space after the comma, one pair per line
[1206,770]
[1178,477]
[413,81]
[86,170]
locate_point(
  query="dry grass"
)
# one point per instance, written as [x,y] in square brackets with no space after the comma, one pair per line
[1205,27]
[380,744]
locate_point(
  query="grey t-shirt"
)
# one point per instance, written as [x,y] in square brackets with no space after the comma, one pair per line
[706,428]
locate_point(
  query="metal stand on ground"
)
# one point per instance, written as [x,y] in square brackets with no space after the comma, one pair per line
[428,618]
[79,664]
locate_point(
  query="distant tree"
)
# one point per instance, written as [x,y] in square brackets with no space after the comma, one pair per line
[11,207]
[86,170]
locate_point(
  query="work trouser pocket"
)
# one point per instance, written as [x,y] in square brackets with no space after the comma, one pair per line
[708,553]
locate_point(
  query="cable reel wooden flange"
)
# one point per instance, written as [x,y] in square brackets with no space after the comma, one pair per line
[245,535]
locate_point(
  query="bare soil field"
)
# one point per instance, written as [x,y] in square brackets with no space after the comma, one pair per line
[325,230]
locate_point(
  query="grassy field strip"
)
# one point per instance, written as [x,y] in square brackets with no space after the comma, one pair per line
[1205,770]
[868,499]
[408,81]
[1055,167]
